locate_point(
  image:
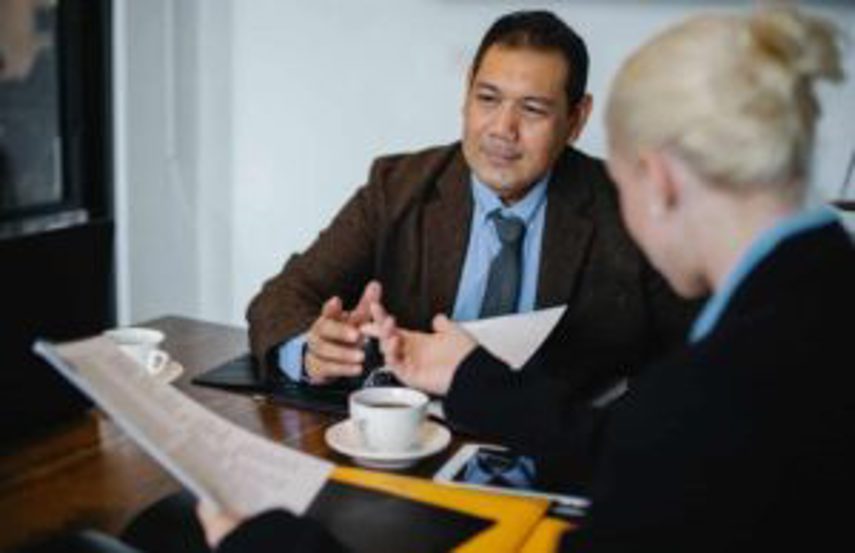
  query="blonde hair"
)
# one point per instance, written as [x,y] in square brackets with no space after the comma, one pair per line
[731,95]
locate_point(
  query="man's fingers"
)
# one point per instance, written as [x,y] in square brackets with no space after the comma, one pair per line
[332,308]
[383,326]
[371,295]
[337,353]
[383,331]
[378,312]
[333,345]
[331,330]
[320,370]
[372,330]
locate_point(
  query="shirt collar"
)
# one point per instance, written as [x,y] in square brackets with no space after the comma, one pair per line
[760,248]
[487,201]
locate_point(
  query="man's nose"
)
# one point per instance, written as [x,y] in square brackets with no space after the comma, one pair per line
[506,122]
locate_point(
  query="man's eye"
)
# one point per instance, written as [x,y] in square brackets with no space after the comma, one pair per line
[534,110]
[487,99]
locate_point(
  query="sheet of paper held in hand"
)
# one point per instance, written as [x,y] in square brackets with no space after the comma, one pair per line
[515,338]
[511,338]
[215,459]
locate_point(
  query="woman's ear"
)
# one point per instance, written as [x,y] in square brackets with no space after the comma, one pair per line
[662,180]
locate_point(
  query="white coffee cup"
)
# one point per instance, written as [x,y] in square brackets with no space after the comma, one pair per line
[388,419]
[141,344]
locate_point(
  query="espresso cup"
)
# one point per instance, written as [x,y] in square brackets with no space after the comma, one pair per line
[388,419]
[141,344]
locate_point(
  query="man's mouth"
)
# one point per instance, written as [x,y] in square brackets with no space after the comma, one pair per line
[501,157]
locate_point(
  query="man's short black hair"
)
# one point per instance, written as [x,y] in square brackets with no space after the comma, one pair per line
[541,30]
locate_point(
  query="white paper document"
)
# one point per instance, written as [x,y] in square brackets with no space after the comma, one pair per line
[511,338]
[239,471]
[515,338]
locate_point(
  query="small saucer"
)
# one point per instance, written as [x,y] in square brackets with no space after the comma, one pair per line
[344,438]
[170,372]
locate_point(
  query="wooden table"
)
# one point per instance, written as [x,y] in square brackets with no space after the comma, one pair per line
[89,474]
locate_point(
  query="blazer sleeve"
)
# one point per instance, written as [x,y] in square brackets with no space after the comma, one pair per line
[522,409]
[339,262]
[280,531]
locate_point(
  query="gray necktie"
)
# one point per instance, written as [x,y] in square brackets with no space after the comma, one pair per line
[503,282]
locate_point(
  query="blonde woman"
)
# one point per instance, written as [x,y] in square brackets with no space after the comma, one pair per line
[743,438]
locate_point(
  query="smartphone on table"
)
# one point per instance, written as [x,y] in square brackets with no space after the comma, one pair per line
[497,469]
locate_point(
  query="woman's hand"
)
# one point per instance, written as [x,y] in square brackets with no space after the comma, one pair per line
[216,523]
[421,360]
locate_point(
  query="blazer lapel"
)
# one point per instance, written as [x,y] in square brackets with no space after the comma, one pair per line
[445,233]
[567,232]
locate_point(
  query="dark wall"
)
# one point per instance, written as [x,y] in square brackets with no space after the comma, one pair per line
[56,259]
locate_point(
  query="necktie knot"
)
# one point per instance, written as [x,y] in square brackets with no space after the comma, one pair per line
[510,229]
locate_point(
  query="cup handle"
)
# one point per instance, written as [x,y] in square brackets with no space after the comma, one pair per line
[157,361]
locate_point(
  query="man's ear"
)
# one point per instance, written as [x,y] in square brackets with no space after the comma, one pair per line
[578,115]
[467,87]
[664,186]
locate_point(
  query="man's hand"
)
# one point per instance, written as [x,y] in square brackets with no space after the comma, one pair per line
[215,523]
[421,360]
[334,341]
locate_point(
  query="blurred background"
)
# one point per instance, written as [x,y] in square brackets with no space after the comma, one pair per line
[212,138]
[242,126]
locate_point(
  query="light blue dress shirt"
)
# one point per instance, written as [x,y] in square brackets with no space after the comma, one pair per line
[762,246]
[483,245]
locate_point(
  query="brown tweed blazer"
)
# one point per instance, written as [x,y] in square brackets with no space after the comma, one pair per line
[408,227]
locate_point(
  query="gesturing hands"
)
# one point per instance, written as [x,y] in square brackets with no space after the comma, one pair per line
[421,360]
[334,341]
[426,361]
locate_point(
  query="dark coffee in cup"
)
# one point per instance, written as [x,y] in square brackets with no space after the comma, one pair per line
[389,405]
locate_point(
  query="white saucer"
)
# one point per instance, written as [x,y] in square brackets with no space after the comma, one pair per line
[344,438]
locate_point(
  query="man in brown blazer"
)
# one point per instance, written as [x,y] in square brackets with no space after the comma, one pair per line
[417,235]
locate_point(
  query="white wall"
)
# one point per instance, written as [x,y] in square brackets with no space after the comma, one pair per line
[215,211]
[154,173]
[172,79]
[289,102]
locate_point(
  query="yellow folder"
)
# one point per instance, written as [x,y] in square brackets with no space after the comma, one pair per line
[514,518]
[546,535]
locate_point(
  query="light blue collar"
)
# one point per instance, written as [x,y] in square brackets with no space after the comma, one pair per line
[762,246]
[487,201]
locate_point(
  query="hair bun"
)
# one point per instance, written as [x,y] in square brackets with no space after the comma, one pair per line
[806,46]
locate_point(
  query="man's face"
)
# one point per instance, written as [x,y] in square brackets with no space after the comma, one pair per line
[516,118]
